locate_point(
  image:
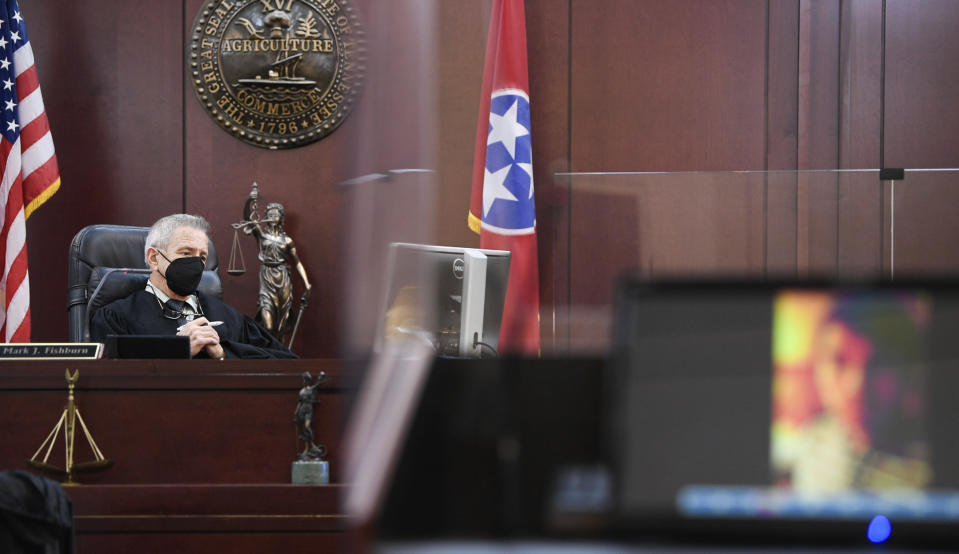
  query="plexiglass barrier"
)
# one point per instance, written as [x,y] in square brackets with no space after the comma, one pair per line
[768,225]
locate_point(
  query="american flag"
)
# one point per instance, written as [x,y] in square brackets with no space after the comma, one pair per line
[28,165]
[502,206]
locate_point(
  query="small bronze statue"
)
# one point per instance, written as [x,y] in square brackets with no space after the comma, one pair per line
[303,417]
[277,253]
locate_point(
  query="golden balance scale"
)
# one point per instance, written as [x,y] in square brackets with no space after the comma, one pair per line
[69,417]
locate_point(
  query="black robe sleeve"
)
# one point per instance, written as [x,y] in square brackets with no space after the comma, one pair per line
[108,321]
[240,335]
[255,342]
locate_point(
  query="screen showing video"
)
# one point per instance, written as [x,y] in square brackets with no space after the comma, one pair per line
[791,402]
[848,391]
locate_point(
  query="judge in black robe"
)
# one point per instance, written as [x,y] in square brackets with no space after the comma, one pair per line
[141,314]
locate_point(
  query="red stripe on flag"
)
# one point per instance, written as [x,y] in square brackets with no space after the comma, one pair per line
[33,131]
[37,184]
[22,334]
[5,148]
[27,82]
[14,202]
[17,274]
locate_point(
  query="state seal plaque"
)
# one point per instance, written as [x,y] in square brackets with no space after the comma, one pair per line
[277,73]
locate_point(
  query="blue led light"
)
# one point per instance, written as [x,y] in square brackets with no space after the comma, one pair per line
[879,529]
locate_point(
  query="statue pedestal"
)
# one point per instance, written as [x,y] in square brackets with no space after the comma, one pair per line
[311,473]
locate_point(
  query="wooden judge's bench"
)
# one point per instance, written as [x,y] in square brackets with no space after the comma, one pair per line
[202,451]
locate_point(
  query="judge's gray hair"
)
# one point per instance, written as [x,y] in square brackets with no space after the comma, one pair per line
[162,231]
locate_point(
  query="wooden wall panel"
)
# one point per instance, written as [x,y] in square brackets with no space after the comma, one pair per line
[665,87]
[782,135]
[860,92]
[202,543]
[111,79]
[818,115]
[461,49]
[547,37]
[397,131]
[921,83]
[926,226]
[860,80]
[207,423]
[921,120]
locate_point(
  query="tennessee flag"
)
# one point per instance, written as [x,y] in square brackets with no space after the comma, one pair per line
[502,210]
[27,163]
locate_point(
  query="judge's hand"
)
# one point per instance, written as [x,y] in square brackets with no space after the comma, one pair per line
[202,337]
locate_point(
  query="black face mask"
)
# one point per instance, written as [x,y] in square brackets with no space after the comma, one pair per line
[183,274]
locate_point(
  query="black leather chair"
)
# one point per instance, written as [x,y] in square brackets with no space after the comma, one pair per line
[106,263]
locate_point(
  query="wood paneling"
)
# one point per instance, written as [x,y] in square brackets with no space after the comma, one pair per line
[925,227]
[782,133]
[202,451]
[818,116]
[203,543]
[460,77]
[921,120]
[173,422]
[395,153]
[860,80]
[547,37]
[667,86]
[224,508]
[921,83]
[111,80]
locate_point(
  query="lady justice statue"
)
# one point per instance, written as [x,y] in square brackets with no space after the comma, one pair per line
[277,253]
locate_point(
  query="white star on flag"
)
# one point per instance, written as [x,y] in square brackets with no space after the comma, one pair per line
[7,84]
[12,125]
[506,129]
[493,188]
[10,105]
[528,168]
[15,37]
[4,63]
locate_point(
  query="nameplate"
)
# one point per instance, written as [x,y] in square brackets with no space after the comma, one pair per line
[51,351]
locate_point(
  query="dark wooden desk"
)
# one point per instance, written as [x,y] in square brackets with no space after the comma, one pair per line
[202,451]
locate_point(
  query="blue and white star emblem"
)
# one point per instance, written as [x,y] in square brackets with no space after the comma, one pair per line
[508,205]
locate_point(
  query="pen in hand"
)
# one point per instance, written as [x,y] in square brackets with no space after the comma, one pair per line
[210,323]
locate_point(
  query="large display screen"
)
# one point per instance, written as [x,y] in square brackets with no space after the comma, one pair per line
[764,403]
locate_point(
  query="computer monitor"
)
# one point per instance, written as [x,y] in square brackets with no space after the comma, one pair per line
[763,411]
[452,296]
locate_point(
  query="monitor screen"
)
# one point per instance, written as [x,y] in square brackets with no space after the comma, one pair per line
[451,296]
[762,403]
